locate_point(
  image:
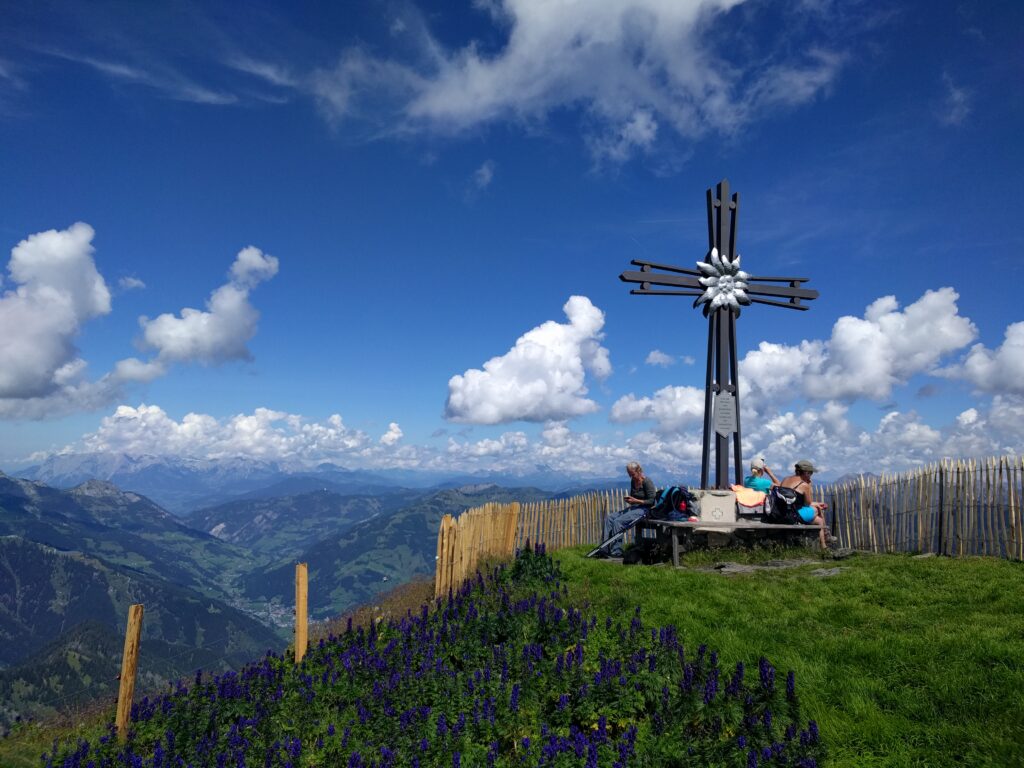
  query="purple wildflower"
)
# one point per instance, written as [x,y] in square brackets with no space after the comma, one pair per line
[767,675]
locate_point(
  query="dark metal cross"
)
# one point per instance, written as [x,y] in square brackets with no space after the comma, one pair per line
[722,288]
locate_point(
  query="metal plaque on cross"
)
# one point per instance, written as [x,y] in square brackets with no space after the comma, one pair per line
[721,288]
[725,414]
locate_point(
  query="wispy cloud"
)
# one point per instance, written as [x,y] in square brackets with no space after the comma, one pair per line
[8,75]
[130,283]
[636,71]
[484,175]
[275,74]
[638,75]
[956,105]
[161,78]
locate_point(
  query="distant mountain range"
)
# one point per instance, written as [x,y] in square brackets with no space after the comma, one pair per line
[851,478]
[182,485]
[124,529]
[218,585]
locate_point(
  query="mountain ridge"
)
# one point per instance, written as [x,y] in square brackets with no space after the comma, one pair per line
[46,593]
[183,485]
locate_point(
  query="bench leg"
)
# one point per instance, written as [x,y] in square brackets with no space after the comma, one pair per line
[675,548]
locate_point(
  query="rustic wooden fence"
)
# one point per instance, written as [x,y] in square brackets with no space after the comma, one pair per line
[953,507]
[496,530]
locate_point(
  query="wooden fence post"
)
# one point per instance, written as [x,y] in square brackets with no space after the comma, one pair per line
[438,563]
[301,617]
[453,543]
[129,663]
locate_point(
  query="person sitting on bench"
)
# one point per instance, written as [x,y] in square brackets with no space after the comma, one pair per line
[760,478]
[640,499]
[811,512]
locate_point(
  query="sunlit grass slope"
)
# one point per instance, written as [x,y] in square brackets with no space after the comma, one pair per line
[902,661]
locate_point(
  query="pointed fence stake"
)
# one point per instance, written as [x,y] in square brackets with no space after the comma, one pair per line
[301,615]
[129,664]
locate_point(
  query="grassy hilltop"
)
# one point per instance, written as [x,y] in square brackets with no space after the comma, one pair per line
[897,660]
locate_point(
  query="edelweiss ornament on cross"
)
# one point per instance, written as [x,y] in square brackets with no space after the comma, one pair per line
[722,288]
[725,283]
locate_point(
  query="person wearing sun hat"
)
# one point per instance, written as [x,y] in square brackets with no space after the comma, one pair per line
[760,478]
[811,512]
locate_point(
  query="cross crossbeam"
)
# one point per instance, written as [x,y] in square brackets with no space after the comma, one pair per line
[646,278]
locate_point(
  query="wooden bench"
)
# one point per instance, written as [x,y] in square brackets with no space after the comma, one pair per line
[687,529]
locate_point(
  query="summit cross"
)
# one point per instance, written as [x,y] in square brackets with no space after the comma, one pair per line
[722,288]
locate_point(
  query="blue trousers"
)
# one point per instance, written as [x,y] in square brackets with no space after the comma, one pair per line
[618,521]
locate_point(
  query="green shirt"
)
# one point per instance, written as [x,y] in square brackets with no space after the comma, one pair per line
[644,493]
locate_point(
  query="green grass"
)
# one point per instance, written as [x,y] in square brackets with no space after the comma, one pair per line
[902,661]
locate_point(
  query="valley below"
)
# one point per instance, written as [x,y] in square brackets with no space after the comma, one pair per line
[217,581]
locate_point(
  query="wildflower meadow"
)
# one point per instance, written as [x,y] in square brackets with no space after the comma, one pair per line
[505,672]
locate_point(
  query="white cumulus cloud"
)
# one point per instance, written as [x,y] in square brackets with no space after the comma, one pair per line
[223,330]
[541,378]
[998,370]
[673,408]
[57,290]
[506,446]
[262,434]
[133,369]
[864,358]
[657,357]
[393,435]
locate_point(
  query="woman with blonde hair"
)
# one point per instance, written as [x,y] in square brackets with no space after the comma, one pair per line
[640,499]
[760,478]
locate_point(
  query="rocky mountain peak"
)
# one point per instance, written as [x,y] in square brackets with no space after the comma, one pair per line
[100,489]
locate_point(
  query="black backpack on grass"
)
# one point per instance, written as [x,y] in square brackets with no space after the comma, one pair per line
[648,549]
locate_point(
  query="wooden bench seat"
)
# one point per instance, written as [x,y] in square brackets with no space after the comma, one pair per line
[687,528]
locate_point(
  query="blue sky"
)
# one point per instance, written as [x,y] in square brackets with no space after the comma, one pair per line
[355,233]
